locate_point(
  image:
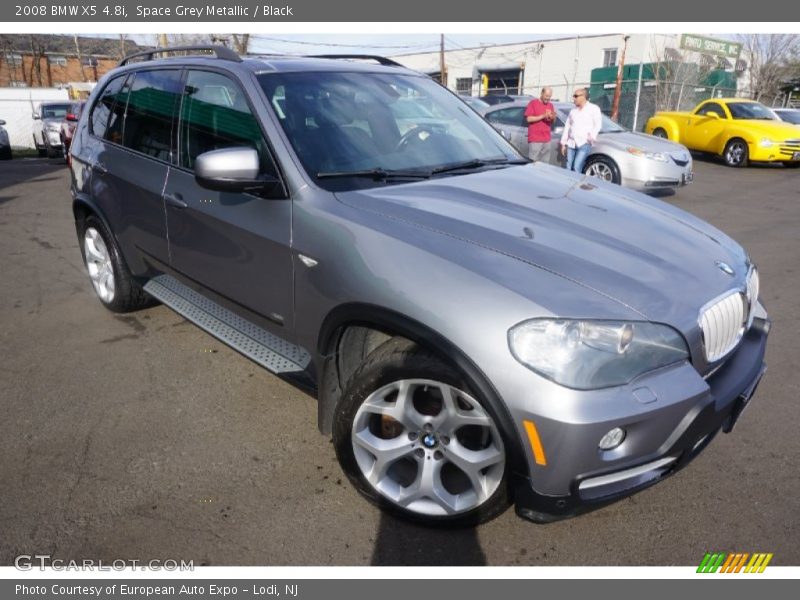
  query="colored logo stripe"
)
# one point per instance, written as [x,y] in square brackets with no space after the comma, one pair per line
[734,562]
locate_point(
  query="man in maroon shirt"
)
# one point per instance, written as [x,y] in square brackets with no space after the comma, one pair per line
[540,114]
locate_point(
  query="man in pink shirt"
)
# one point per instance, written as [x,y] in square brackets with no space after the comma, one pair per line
[580,130]
[540,114]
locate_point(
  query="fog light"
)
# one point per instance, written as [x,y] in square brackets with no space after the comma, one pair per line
[612,439]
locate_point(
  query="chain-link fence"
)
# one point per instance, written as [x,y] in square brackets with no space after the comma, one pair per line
[640,100]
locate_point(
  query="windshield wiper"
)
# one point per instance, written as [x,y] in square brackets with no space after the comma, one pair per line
[479,163]
[377,173]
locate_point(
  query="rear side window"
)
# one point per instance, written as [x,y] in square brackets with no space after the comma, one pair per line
[103,108]
[215,115]
[508,116]
[152,104]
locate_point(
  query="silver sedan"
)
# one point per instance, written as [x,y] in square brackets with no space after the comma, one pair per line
[635,160]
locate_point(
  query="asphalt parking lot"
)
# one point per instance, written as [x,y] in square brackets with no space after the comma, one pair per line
[142,437]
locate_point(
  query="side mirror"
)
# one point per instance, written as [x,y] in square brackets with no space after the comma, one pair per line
[712,115]
[2,122]
[71,117]
[36,116]
[231,170]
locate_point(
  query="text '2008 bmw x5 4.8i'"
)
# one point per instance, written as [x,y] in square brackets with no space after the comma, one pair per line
[479,330]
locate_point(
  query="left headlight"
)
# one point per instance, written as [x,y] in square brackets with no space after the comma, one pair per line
[659,156]
[589,355]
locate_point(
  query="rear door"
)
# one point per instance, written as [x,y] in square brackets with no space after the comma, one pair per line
[234,244]
[133,122]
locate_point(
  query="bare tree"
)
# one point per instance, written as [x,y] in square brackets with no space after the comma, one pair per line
[241,42]
[769,57]
[80,57]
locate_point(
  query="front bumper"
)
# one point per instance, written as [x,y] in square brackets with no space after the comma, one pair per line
[730,390]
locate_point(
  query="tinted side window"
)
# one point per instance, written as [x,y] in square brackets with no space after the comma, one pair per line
[102,109]
[151,112]
[215,115]
[508,116]
[714,108]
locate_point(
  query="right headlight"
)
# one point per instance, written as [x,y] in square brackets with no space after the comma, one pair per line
[586,355]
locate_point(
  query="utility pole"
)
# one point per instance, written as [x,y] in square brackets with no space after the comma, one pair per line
[162,40]
[442,77]
[618,89]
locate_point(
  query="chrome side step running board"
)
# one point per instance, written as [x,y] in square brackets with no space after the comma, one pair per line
[268,350]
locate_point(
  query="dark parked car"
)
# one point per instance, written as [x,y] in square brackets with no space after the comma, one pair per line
[478,330]
[493,99]
[68,127]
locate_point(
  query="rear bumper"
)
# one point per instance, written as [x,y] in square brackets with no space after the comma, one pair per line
[730,391]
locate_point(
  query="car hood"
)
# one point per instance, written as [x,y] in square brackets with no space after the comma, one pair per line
[648,143]
[642,253]
[775,130]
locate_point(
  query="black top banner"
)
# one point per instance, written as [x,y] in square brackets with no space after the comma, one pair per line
[308,11]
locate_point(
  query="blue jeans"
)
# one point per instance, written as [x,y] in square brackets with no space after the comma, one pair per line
[576,157]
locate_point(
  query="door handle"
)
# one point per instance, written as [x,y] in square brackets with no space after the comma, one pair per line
[175,200]
[100,168]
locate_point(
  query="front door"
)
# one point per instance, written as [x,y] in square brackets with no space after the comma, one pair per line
[703,130]
[235,244]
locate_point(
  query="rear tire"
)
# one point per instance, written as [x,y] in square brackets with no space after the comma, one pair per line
[736,153]
[113,283]
[660,133]
[414,440]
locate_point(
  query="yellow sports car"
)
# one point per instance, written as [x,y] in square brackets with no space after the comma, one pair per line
[739,130]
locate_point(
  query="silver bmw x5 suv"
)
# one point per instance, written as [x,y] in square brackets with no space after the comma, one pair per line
[479,331]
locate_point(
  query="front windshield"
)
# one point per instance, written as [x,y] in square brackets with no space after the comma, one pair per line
[608,126]
[55,111]
[345,125]
[750,110]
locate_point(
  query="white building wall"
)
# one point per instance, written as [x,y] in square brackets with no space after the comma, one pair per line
[16,109]
[561,63]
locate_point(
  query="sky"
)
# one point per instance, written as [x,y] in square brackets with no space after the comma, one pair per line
[385,44]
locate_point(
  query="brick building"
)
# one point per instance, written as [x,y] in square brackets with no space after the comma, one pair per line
[40,60]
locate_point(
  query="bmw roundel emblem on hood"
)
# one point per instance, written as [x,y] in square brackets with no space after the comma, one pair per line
[724,267]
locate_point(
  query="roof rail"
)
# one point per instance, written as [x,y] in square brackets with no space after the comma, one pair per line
[221,52]
[379,59]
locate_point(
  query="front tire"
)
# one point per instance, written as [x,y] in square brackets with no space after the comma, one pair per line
[112,281]
[603,168]
[416,441]
[736,153]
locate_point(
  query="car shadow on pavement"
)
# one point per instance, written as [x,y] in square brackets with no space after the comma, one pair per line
[17,171]
[400,543]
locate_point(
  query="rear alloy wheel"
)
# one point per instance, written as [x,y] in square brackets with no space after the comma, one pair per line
[602,168]
[413,440]
[660,133]
[111,279]
[736,153]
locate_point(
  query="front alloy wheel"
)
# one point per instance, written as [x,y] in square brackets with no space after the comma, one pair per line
[736,153]
[428,447]
[413,441]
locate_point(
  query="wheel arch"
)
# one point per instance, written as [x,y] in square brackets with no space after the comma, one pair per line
[358,323]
